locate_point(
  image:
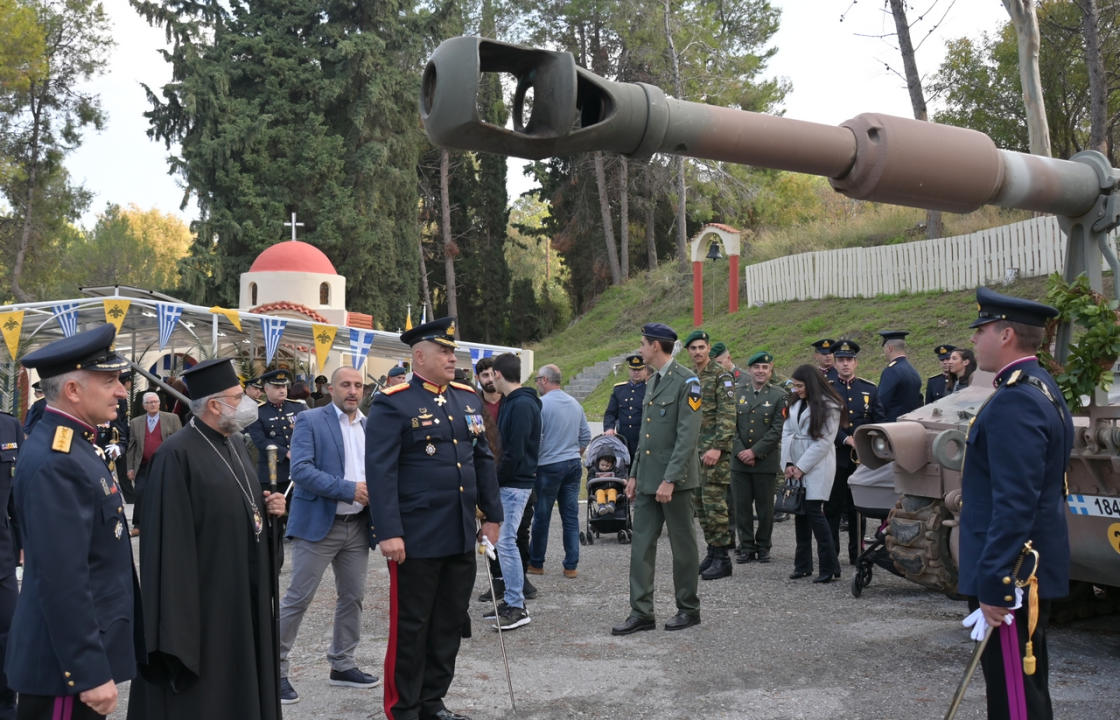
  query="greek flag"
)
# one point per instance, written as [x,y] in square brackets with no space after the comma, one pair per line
[273,328]
[360,343]
[168,315]
[479,353]
[67,315]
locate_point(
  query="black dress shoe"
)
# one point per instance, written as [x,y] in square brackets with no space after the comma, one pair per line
[764,556]
[836,574]
[682,620]
[826,578]
[797,575]
[633,625]
[446,714]
[742,556]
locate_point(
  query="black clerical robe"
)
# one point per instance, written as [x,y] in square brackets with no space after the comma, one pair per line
[205,577]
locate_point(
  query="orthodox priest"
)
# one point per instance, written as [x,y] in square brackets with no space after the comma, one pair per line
[206,567]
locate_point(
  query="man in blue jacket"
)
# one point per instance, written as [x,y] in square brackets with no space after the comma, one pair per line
[519,426]
[1013,491]
[327,522]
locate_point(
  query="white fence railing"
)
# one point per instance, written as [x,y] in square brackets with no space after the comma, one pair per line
[1030,248]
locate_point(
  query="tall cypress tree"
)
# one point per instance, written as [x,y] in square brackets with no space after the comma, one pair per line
[302,106]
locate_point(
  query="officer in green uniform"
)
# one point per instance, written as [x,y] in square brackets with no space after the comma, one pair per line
[663,476]
[717,430]
[756,458]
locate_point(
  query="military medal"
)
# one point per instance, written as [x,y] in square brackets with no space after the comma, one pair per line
[440,400]
[430,449]
[118,529]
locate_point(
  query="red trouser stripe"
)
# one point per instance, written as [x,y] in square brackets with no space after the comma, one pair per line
[391,694]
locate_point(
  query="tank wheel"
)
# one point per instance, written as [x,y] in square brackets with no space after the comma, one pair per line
[857,586]
[582,537]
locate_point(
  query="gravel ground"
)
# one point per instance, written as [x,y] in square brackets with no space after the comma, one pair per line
[768,647]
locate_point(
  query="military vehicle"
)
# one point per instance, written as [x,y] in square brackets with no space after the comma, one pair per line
[559,109]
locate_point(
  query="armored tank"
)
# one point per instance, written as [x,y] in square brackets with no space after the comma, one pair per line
[560,109]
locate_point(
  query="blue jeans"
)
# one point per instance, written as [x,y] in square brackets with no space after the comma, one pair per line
[513,575]
[557,482]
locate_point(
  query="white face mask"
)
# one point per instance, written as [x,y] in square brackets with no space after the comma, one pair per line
[244,415]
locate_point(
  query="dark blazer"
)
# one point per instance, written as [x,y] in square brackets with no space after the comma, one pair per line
[11,437]
[900,389]
[1013,487]
[426,477]
[169,424]
[74,623]
[319,473]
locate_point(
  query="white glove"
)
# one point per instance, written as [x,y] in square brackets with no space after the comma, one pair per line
[979,623]
[113,451]
[485,547]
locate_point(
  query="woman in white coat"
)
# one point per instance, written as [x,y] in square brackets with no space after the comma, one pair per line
[808,454]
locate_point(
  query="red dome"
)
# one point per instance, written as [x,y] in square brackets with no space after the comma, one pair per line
[293,256]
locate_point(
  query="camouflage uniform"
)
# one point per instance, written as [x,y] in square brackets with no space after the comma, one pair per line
[717,430]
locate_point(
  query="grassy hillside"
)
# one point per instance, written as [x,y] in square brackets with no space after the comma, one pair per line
[786,329]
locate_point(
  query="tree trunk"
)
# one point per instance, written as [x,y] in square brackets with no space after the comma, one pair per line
[605,214]
[1098,92]
[450,250]
[28,203]
[651,218]
[917,96]
[624,218]
[424,289]
[678,89]
[1025,20]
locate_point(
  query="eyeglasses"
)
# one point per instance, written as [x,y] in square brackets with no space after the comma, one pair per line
[540,378]
[237,397]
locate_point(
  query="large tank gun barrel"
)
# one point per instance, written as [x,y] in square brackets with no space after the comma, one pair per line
[560,108]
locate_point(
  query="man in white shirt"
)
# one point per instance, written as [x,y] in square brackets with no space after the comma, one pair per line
[328,524]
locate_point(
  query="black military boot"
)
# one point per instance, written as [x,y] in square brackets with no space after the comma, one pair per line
[707,561]
[720,567]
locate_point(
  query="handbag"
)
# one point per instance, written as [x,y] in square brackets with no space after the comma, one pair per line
[790,497]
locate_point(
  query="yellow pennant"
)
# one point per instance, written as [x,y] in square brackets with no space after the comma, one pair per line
[324,339]
[115,310]
[11,323]
[232,315]
[408,320]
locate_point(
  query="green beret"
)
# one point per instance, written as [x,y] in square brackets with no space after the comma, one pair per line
[760,357]
[717,350]
[694,336]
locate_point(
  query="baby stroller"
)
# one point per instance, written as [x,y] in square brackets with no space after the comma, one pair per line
[608,450]
[874,496]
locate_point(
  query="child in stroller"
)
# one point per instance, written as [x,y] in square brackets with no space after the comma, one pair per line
[608,464]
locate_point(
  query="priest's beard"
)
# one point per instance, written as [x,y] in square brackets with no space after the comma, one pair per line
[244,415]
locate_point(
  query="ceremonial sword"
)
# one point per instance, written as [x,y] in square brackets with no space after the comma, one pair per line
[969,671]
[485,548]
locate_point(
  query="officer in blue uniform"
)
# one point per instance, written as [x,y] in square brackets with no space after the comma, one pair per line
[624,410]
[900,385]
[274,426]
[76,627]
[937,386]
[428,465]
[862,399]
[11,437]
[825,360]
[1013,491]
[35,412]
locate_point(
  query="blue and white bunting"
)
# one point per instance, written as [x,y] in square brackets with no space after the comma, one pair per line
[273,328]
[360,343]
[479,353]
[67,316]
[168,315]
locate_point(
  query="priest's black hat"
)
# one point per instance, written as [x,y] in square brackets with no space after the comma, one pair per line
[440,331]
[210,377]
[88,350]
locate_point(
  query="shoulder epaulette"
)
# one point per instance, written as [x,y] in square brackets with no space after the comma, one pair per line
[866,381]
[395,389]
[462,386]
[63,437]
[624,382]
[934,377]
